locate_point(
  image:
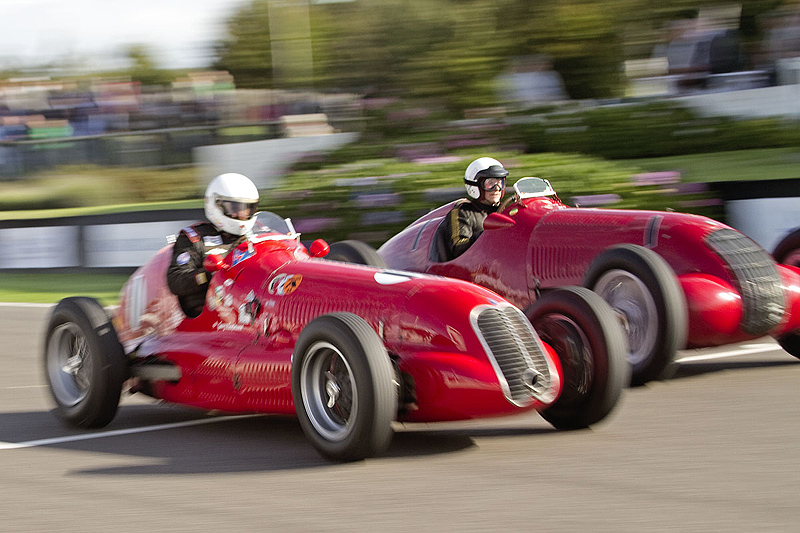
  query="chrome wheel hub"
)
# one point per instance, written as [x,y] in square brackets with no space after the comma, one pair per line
[632,301]
[68,364]
[328,390]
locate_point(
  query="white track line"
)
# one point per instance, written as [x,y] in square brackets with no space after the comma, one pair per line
[116,433]
[744,350]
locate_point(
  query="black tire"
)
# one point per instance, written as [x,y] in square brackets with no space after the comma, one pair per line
[791,343]
[357,252]
[586,335]
[344,387]
[788,250]
[644,292]
[85,364]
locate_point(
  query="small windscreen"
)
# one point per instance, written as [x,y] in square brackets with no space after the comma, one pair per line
[533,187]
[270,223]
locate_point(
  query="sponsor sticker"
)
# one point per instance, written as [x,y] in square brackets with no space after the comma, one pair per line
[227,326]
[284,284]
[212,240]
[241,255]
[183,258]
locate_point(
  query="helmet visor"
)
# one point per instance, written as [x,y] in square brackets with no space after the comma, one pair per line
[237,210]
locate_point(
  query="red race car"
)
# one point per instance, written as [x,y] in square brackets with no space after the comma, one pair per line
[348,348]
[675,280]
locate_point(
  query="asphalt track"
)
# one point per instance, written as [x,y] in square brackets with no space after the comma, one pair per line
[714,449]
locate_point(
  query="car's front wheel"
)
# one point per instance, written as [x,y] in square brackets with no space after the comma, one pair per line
[344,388]
[644,292]
[585,333]
[84,363]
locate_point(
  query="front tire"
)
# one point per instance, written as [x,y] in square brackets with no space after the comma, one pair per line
[644,292]
[585,333]
[344,387]
[357,252]
[85,363]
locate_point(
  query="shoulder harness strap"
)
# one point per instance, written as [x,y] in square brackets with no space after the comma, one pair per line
[192,233]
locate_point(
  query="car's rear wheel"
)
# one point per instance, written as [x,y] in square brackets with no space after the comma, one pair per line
[644,292]
[788,250]
[358,252]
[791,343]
[85,363]
[585,333]
[344,387]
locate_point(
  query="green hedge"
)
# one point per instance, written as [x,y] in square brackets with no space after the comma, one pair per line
[85,186]
[659,129]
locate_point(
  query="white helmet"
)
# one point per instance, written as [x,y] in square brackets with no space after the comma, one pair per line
[231,203]
[479,170]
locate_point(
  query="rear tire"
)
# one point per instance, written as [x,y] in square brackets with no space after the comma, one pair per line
[84,362]
[357,252]
[788,250]
[791,343]
[644,292]
[586,335]
[344,387]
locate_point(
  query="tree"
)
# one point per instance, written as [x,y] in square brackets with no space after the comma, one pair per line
[451,50]
[143,69]
[246,52]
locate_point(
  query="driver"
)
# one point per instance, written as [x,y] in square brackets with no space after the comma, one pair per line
[231,202]
[485,181]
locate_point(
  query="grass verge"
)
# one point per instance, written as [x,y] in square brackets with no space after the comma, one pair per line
[736,165]
[50,288]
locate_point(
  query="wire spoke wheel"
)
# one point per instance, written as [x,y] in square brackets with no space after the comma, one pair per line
[586,336]
[84,362]
[644,292]
[68,364]
[634,304]
[574,351]
[328,390]
[344,388]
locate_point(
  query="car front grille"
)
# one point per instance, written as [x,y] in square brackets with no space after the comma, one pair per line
[756,277]
[516,354]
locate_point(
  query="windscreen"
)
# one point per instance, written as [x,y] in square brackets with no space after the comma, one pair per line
[268,222]
[527,187]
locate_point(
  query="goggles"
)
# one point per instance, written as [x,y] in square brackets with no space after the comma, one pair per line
[491,184]
[237,210]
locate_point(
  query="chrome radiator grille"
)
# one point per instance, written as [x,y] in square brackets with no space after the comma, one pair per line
[756,277]
[517,354]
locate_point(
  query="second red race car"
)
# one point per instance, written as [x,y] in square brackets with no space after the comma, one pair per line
[349,349]
[675,280]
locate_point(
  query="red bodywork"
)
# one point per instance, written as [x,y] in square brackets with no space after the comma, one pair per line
[237,354]
[551,245]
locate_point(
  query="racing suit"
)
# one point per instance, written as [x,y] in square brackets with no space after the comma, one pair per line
[464,224]
[186,276]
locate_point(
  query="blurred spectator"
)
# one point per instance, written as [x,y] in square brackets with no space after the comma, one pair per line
[704,52]
[531,81]
[780,52]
